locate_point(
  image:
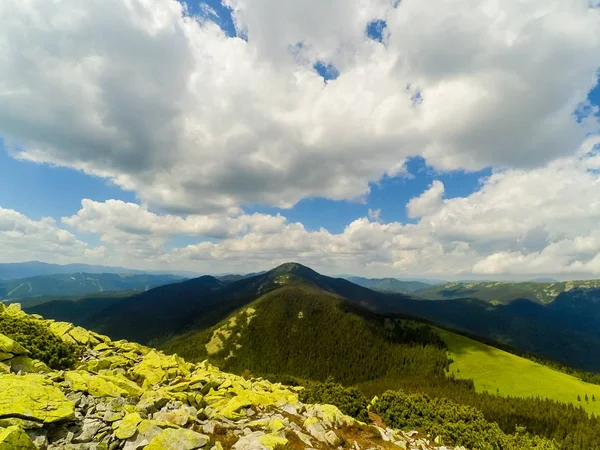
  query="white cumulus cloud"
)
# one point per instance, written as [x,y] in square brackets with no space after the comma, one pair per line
[197,122]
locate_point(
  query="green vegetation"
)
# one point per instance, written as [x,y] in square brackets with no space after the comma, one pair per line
[323,335]
[455,424]
[496,371]
[500,292]
[40,341]
[350,401]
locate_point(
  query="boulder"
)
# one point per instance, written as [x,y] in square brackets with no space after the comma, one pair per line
[145,432]
[14,438]
[102,385]
[27,365]
[8,346]
[34,397]
[177,439]
[127,427]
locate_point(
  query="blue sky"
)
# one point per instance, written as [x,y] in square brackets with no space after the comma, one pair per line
[335,111]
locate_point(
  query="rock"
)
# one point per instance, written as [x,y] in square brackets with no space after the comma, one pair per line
[271,440]
[102,385]
[330,416]
[14,438]
[178,417]
[250,442]
[332,438]
[152,401]
[177,439]
[156,368]
[27,365]
[127,427]
[113,416]
[8,346]
[34,397]
[146,431]
[316,429]
[90,428]
[230,403]
[60,328]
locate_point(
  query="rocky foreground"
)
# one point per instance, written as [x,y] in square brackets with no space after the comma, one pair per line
[126,396]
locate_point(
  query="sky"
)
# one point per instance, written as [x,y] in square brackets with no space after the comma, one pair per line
[375,137]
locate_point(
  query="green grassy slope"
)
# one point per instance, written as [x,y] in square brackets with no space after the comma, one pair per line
[492,369]
[499,292]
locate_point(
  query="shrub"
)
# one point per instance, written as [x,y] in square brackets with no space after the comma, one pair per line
[40,341]
[350,401]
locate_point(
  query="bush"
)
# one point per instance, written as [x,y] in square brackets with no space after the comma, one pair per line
[40,341]
[350,401]
[456,424]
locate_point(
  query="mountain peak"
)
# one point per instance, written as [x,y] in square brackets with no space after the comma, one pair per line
[293,268]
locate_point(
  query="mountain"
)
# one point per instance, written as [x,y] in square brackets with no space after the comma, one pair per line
[389,284]
[529,326]
[10,271]
[79,284]
[105,394]
[501,292]
[124,395]
[308,332]
[566,330]
[160,313]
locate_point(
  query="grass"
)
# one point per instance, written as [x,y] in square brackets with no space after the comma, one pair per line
[497,371]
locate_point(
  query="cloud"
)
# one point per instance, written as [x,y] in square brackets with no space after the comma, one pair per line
[430,201]
[23,239]
[519,223]
[196,122]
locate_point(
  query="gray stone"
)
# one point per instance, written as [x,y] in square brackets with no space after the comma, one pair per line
[90,428]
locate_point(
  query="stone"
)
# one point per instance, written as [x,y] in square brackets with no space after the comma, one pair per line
[80,335]
[60,328]
[177,439]
[179,417]
[14,438]
[7,345]
[146,431]
[127,427]
[27,365]
[90,428]
[156,368]
[102,385]
[34,397]
[271,440]
[316,429]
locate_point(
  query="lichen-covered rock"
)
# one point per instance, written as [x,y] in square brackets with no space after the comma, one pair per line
[33,396]
[177,439]
[27,365]
[10,347]
[14,438]
[102,385]
[145,432]
[127,427]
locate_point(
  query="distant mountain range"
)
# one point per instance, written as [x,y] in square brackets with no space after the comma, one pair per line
[10,271]
[389,284]
[501,292]
[79,284]
[566,330]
